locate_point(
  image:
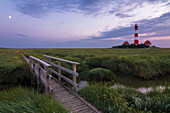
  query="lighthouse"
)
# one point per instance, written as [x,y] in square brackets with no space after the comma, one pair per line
[136,39]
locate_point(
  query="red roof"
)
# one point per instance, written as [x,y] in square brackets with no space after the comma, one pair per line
[147,42]
[126,42]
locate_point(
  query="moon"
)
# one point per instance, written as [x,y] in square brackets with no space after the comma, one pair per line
[10,17]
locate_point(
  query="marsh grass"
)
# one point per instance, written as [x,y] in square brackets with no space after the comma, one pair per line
[146,64]
[13,68]
[126,99]
[20,100]
[138,63]
[149,68]
[100,75]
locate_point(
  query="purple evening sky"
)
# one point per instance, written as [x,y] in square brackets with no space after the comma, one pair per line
[82,23]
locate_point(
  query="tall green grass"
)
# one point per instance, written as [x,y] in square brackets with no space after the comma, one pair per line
[138,63]
[149,68]
[13,68]
[15,74]
[23,100]
[124,100]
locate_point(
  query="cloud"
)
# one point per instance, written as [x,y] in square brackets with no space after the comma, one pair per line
[21,35]
[156,27]
[39,8]
[121,15]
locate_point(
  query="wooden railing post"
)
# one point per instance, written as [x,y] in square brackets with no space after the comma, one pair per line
[39,75]
[74,76]
[47,79]
[59,70]
[44,58]
[33,70]
[50,63]
[31,64]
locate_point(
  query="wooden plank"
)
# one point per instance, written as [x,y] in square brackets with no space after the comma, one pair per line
[65,99]
[64,69]
[43,71]
[68,100]
[53,81]
[28,61]
[71,62]
[72,102]
[36,65]
[63,77]
[81,108]
[36,73]
[54,84]
[43,80]
[39,74]
[42,62]
[47,79]
[65,96]
[74,76]
[87,103]
[75,101]
[59,70]
[60,89]
[50,77]
[31,66]
[55,87]
[87,111]
[75,105]
[61,93]
[51,89]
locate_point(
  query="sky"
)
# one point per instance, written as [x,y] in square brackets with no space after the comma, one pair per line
[82,23]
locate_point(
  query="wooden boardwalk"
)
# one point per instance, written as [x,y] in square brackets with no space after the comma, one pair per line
[68,98]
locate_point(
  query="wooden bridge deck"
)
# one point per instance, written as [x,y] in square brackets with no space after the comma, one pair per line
[69,99]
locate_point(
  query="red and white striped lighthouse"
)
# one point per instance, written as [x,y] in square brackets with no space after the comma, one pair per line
[136,39]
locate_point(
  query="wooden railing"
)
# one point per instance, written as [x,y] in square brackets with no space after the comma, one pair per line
[73,72]
[42,74]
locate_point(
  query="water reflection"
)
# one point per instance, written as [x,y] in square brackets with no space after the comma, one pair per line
[142,89]
[82,84]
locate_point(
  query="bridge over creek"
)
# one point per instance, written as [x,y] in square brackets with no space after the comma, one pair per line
[48,73]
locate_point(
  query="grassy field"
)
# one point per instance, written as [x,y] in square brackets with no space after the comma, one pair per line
[103,68]
[138,63]
[13,68]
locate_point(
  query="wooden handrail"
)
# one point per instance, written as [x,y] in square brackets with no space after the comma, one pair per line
[36,68]
[40,61]
[64,69]
[65,78]
[72,72]
[71,62]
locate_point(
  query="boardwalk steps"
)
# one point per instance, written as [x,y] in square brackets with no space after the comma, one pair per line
[68,98]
